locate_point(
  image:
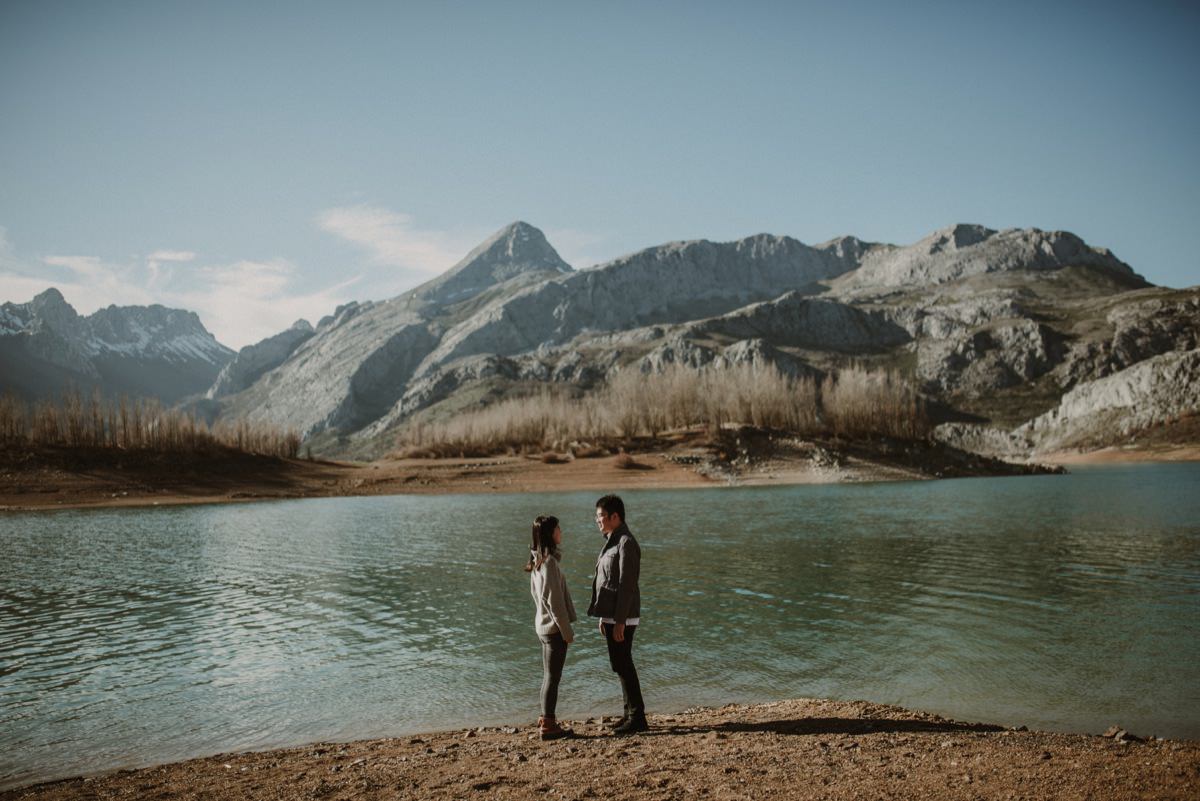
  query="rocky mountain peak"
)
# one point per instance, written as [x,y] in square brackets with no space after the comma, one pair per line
[849,249]
[47,346]
[961,251]
[154,331]
[513,250]
[253,361]
[50,297]
[955,237]
[51,310]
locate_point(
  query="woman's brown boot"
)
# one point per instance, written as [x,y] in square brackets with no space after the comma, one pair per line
[548,729]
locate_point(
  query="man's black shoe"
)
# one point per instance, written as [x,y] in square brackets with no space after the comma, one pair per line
[618,723]
[632,726]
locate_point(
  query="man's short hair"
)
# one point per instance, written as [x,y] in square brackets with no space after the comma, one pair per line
[612,503]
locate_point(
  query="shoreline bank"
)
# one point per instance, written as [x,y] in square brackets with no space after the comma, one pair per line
[64,479]
[803,748]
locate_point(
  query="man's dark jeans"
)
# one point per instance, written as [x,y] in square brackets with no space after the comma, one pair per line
[620,656]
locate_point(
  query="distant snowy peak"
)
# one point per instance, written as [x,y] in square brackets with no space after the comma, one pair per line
[48,310]
[144,332]
[514,250]
[154,332]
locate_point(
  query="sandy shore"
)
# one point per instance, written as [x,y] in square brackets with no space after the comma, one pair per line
[241,479]
[1114,455]
[60,479]
[791,749]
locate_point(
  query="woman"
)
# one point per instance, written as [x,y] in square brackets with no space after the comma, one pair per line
[553,617]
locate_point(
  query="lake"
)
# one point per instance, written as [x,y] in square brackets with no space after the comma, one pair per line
[131,637]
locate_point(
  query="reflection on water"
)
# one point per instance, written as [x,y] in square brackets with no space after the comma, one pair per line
[133,637]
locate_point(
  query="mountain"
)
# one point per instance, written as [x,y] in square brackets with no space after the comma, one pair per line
[359,361]
[513,251]
[995,326]
[254,360]
[961,251]
[1023,339]
[140,351]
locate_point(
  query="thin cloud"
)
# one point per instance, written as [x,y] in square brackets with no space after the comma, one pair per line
[391,239]
[17,288]
[239,303]
[171,255]
[6,249]
[247,301]
[155,261]
[93,283]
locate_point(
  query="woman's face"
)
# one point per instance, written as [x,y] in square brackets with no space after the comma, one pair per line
[558,535]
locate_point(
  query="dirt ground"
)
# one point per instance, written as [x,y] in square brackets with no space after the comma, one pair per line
[1113,455]
[1177,441]
[61,478]
[801,749]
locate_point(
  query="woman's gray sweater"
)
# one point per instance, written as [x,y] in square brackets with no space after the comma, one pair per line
[555,611]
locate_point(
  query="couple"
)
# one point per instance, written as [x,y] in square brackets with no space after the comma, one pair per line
[615,600]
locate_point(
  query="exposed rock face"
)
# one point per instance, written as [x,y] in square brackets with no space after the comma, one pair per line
[803,322]
[1159,390]
[669,284]
[961,251]
[350,371]
[762,353]
[940,319]
[132,350]
[1156,391]
[1139,330]
[1155,326]
[442,383]
[677,351]
[1000,355]
[514,250]
[254,360]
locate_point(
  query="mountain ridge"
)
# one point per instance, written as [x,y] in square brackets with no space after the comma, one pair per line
[991,324]
[47,347]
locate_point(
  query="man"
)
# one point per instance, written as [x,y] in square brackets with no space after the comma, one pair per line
[617,602]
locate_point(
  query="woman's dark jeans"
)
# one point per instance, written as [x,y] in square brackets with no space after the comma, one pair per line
[554,654]
[620,657]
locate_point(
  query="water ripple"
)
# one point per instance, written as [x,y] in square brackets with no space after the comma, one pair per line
[140,636]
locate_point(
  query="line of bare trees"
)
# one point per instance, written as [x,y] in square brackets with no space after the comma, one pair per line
[79,421]
[854,402]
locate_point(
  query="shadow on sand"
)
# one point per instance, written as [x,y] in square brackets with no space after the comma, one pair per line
[813,726]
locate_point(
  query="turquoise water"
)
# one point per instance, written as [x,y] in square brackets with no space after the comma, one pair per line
[130,637]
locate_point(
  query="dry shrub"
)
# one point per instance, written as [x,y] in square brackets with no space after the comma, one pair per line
[859,402]
[140,424]
[856,402]
[14,419]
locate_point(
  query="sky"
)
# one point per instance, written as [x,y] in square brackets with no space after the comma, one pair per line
[262,162]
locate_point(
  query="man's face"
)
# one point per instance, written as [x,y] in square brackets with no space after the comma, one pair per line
[606,523]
